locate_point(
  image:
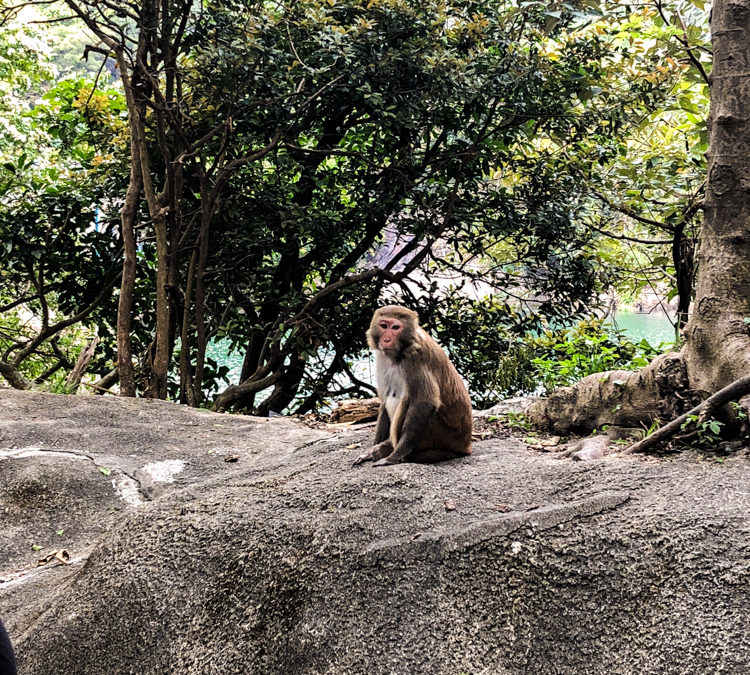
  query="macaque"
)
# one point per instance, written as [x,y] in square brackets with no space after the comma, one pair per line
[425,411]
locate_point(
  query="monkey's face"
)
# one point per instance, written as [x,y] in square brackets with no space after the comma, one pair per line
[389,335]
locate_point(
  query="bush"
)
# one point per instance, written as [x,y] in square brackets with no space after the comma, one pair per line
[563,357]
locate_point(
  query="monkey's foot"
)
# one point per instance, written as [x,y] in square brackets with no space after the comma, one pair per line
[365,457]
[384,462]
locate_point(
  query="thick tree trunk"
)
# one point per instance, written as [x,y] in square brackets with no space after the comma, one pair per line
[717,337]
[717,350]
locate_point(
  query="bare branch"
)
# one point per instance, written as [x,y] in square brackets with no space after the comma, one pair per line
[731,392]
[49,331]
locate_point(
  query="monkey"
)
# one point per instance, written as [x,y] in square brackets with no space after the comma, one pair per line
[425,410]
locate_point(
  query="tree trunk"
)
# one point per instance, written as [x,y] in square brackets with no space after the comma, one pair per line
[201,337]
[135,88]
[717,336]
[127,283]
[187,372]
[717,350]
[73,380]
[13,376]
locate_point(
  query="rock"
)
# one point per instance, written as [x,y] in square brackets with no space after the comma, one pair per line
[289,560]
[510,405]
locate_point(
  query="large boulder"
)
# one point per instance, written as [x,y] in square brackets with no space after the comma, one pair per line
[288,560]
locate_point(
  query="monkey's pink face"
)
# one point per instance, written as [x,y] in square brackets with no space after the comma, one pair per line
[390,334]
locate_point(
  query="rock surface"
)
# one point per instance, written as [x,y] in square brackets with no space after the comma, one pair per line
[288,560]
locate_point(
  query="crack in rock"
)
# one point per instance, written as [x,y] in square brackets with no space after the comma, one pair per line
[436,545]
[134,490]
[21,453]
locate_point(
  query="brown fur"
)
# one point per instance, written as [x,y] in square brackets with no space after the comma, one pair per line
[430,410]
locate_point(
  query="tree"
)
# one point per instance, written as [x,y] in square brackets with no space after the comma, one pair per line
[717,337]
[58,260]
[275,145]
[292,163]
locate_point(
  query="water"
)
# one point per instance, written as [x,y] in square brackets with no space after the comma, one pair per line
[655,327]
[219,351]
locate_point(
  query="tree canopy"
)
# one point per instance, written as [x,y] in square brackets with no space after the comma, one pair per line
[265,173]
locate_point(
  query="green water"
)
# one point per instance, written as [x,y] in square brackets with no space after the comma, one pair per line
[655,327]
[219,351]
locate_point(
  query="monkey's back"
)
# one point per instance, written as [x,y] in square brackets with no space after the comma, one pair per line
[452,425]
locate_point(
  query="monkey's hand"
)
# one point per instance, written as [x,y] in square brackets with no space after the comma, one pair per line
[364,457]
[376,452]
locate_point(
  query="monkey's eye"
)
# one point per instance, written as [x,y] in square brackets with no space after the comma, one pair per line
[383,325]
[396,326]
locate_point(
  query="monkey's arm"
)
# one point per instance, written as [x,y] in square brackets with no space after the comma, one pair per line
[423,403]
[383,428]
[419,416]
[382,447]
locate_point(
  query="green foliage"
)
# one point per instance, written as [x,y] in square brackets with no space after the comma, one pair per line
[653,427]
[647,181]
[703,433]
[23,67]
[517,421]
[501,353]
[708,433]
[415,122]
[564,357]
[484,340]
[738,411]
[59,233]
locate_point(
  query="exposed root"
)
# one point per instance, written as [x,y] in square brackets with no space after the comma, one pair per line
[620,397]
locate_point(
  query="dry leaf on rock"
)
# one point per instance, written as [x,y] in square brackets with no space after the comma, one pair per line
[61,556]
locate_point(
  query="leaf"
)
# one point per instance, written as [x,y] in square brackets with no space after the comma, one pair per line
[105,470]
[61,556]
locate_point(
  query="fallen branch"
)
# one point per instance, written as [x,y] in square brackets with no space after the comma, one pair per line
[361,410]
[731,392]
